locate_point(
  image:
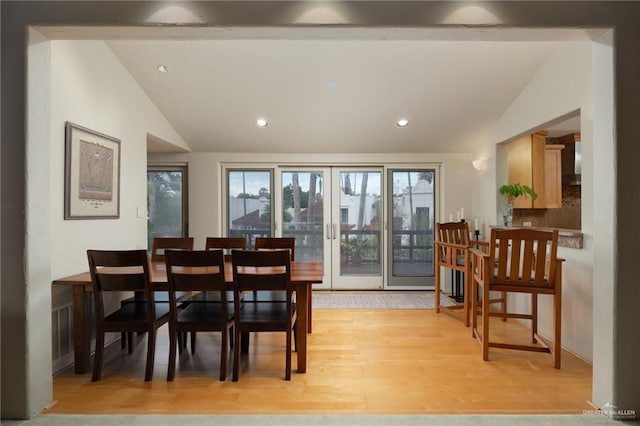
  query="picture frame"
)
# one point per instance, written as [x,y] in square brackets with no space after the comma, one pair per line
[92,174]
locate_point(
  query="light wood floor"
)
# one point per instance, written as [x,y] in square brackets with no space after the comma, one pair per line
[360,361]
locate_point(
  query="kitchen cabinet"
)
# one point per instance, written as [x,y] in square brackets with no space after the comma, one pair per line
[533,163]
[553,176]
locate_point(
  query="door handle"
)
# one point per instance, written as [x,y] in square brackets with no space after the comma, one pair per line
[328,231]
[333,231]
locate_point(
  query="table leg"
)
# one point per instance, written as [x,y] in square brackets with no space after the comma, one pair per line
[302,295]
[309,306]
[81,329]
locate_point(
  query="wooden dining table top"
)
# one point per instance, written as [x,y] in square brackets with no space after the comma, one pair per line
[302,272]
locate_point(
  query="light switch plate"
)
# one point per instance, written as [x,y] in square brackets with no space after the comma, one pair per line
[141,212]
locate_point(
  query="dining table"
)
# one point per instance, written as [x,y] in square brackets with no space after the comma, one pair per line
[303,275]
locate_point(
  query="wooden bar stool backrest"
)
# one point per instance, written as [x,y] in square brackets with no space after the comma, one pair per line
[523,257]
[452,234]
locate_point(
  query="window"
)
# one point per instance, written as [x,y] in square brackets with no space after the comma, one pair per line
[166,202]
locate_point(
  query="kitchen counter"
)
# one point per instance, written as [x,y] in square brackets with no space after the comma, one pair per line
[571,238]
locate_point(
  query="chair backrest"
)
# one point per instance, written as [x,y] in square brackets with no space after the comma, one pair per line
[201,270]
[261,270]
[523,257]
[119,270]
[452,234]
[160,244]
[226,243]
[277,243]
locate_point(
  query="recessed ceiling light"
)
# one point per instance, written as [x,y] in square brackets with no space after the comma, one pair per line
[332,85]
[163,68]
[261,122]
[403,122]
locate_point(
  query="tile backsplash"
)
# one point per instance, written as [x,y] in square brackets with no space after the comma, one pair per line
[567,217]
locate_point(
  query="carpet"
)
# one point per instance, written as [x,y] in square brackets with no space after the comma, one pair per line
[375,300]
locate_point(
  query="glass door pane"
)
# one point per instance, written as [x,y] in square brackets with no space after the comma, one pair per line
[357,226]
[305,214]
[249,204]
[411,228]
[166,203]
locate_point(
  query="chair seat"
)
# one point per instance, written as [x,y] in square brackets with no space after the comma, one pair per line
[459,260]
[265,312]
[158,297]
[204,312]
[136,312]
[265,296]
[208,296]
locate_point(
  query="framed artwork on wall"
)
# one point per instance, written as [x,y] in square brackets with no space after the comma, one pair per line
[92,174]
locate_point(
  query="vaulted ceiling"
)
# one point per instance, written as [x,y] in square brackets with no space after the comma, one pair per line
[332,91]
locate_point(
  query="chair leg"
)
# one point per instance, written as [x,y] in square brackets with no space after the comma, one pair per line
[474,308]
[97,359]
[171,368]
[557,322]
[123,340]
[287,371]
[467,288]
[504,306]
[534,317]
[236,355]
[244,342]
[193,342]
[130,342]
[224,354]
[437,282]
[485,322]
[151,349]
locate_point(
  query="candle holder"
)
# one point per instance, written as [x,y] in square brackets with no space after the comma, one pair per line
[476,233]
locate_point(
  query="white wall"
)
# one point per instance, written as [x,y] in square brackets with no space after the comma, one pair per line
[85,84]
[562,85]
[91,88]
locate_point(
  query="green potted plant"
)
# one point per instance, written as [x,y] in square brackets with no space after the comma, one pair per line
[511,192]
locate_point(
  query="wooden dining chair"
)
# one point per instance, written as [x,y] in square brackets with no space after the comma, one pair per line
[518,261]
[212,243]
[198,271]
[255,271]
[160,244]
[225,243]
[288,243]
[269,243]
[117,271]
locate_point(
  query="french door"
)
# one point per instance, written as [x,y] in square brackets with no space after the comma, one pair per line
[335,214]
[372,227]
[357,228]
